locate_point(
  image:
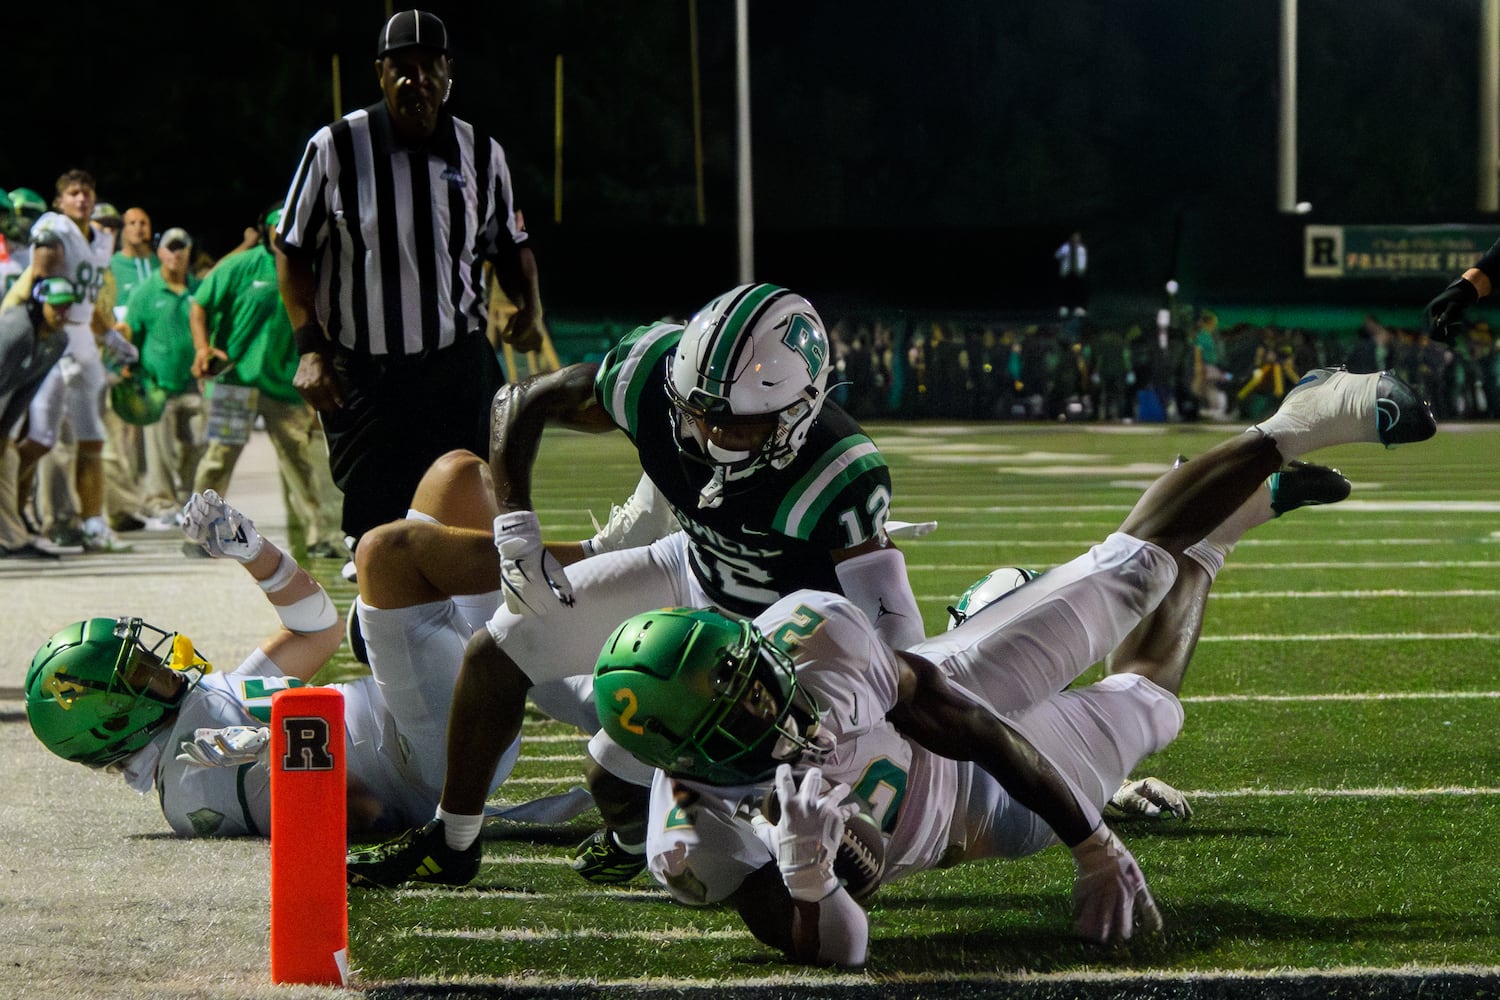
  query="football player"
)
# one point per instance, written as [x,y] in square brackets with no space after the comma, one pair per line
[140,701]
[961,747]
[776,489]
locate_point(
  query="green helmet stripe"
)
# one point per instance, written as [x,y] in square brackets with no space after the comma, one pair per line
[812,495]
[630,368]
[720,353]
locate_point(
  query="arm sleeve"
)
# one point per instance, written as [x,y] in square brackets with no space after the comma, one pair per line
[877,584]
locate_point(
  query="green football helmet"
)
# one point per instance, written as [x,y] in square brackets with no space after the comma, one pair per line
[80,699]
[671,687]
[27,205]
[136,398]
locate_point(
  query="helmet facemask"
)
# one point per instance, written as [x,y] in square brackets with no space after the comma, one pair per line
[757,356]
[703,696]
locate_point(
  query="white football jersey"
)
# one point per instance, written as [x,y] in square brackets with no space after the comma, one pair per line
[910,792]
[85,260]
[200,801]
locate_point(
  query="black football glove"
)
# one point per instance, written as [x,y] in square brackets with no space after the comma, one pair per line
[1443,319]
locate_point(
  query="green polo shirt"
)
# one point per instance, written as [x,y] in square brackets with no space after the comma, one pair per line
[158,321]
[130,272]
[246,319]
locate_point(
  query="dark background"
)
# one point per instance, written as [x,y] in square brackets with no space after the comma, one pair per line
[905,154]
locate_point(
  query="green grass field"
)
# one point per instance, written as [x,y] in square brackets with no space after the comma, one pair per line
[1339,748]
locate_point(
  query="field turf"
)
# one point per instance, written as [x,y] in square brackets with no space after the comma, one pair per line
[1339,752]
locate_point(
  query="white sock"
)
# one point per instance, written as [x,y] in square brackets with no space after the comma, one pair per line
[1341,411]
[1211,552]
[460,831]
[95,526]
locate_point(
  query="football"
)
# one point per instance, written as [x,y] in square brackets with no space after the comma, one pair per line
[860,862]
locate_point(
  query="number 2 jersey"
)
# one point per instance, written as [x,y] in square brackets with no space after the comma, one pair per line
[776,528]
[910,792]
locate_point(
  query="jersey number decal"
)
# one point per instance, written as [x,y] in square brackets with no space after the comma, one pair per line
[802,623]
[882,786]
[631,705]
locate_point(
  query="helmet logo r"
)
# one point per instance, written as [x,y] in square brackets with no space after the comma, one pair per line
[802,336]
[631,706]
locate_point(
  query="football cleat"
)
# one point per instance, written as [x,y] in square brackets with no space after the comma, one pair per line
[1400,416]
[602,861]
[1302,484]
[420,855]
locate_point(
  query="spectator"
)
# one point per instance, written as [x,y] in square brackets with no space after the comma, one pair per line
[362,204]
[241,337]
[1208,372]
[1072,272]
[31,342]
[157,316]
[1111,366]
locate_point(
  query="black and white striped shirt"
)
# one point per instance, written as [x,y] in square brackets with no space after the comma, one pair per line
[400,235]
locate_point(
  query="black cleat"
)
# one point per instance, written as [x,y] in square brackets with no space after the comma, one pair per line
[421,855]
[1302,484]
[1401,416]
[602,860]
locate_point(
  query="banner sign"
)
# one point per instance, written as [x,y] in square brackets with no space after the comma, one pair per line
[1434,252]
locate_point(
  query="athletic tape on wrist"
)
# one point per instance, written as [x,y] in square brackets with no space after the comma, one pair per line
[285,570]
[312,613]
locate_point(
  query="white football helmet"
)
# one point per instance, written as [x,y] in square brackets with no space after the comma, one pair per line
[986,591]
[756,355]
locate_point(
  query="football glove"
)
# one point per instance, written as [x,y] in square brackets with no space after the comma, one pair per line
[121,351]
[227,747]
[805,838]
[222,531]
[526,567]
[1110,896]
[1443,317]
[1150,797]
[906,530]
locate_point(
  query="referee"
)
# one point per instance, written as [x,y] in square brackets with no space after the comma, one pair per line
[389,219]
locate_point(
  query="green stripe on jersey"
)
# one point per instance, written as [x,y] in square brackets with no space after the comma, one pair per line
[808,501]
[628,368]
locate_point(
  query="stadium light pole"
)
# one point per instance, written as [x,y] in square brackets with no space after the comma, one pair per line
[1489,106]
[742,116]
[1286,160]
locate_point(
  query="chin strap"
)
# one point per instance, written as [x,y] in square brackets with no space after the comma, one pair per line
[712,495]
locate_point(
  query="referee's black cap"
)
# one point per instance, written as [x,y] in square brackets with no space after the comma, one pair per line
[410,29]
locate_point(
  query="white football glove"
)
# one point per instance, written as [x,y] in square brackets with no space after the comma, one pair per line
[120,350]
[1110,896]
[1150,797]
[222,531]
[526,567]
[907,530]
[806,836]
[227,747]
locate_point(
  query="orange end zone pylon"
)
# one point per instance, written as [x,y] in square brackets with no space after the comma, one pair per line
[309,899]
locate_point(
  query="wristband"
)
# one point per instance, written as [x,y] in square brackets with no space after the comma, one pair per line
[286,568]
[310,338]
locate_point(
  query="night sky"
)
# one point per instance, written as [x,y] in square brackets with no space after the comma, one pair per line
[920,150]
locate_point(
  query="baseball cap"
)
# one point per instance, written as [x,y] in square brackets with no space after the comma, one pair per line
[55,292]
[26,202]
[107,215]
[178,236]
[411,29]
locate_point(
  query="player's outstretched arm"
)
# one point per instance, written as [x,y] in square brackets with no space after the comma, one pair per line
[1110,896]
[311,628]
